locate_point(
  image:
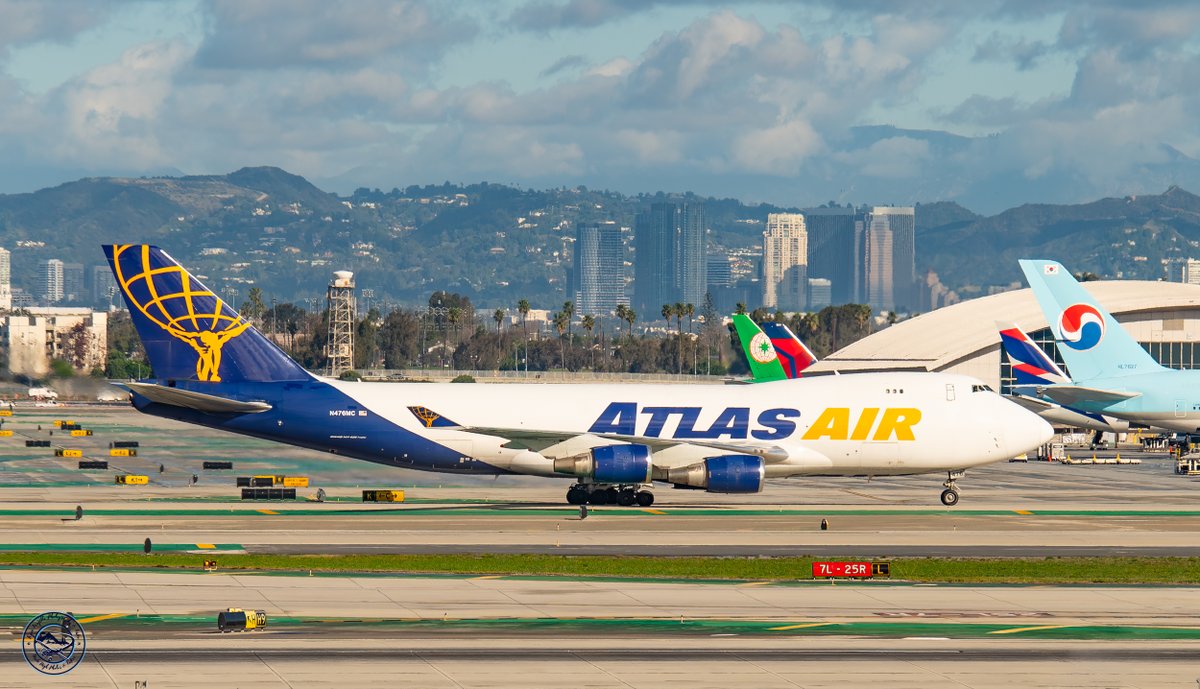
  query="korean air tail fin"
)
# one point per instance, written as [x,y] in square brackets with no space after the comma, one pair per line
[793,354]
[1090,340]
[1030,365]
[188,331]
[764,362]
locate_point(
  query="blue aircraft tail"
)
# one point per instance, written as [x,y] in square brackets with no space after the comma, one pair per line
[1091,341]
[188,331]
[1030,365]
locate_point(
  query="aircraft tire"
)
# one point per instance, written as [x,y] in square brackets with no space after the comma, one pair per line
[598,497]
[626,498]
[577,496]
[644,498]
[949,497]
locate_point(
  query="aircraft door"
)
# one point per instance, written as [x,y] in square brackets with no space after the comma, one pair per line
[1180,409]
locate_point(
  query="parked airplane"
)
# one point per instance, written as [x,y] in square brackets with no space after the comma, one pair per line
[1033,368]
[213,368]
[1111,373]
[772,349]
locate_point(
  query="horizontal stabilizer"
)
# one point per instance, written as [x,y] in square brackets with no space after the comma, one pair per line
[209,404]
[1033,404]
[1075,395]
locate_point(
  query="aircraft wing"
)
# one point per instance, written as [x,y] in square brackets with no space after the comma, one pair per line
[211,404]
[538,440]
[1033,404]
[1074,395]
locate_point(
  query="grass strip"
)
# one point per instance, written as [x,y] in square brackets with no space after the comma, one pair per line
[1068,570]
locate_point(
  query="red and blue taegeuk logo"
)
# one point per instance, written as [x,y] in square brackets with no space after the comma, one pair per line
[1082,326]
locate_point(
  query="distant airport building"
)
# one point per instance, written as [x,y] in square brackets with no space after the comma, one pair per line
[962,338]
[5,280]
[599,268]
[785,262]
[34,339]
[50,280]
[820,293]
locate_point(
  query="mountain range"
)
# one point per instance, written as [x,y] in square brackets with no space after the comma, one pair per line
[496,244]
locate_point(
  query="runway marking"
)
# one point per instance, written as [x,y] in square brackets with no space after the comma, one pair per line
[654,511]
[488,576]
[755,583]
[101,618]
[800,626]
[1018,630]
[1025,512]
[206,546]
[266,511]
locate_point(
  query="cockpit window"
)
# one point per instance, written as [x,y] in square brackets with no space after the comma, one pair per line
[981,388]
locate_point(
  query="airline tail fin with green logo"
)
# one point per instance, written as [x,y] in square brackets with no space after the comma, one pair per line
[760,353]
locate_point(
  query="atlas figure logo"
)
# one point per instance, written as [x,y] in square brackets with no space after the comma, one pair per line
[1082,326]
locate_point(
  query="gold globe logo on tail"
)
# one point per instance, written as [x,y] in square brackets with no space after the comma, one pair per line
[204,321]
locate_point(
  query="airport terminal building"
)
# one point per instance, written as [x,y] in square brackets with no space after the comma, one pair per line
[964,338]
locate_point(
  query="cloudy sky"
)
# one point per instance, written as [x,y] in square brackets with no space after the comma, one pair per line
[994,102]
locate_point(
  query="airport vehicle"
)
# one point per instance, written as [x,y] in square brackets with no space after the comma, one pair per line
[772,349]
[1033,368]
[215,369]
[1111,373]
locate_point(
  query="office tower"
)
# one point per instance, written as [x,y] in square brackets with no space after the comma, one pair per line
[5,280]
[833,241]
[889,259]
[73,282]
[720,272]
[785,262]
[820,293]
[1190,272]
[691,257]
[599,268]
[670,257]
[104,286]
[50,279]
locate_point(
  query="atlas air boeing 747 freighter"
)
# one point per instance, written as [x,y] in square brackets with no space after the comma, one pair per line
[213,368]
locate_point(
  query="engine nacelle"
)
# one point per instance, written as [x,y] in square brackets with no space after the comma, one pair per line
[724,474]
[610,464]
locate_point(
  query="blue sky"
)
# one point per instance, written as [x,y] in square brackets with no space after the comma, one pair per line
[1046,101]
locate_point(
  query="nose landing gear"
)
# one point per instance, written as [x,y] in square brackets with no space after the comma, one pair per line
[950,495]
[601,494]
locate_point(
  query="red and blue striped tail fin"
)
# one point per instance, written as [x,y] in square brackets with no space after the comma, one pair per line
[793,354]
[1030,364]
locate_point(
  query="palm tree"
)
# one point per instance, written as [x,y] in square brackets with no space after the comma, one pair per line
[741,308]
[589,322]
[569,312]
[560,324]
[523,309]
[621,311]
[678,310]
[667,312]
[630,317]
[690,310]
[453,315]
[498,316]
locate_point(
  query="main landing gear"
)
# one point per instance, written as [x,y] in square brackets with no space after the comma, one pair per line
[950,495]
[600,494]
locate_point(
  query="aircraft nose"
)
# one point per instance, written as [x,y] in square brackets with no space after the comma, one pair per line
[1024,431]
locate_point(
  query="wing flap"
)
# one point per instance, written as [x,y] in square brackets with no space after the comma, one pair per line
[189,399]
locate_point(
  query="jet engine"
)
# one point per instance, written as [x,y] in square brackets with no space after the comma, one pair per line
[723,474]
[610,464]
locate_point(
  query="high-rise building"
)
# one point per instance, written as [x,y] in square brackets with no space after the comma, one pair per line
[785,262]
[670,262]
[50,279]
[599,268]
[720,272]
[1190,272]
[5,280]
[73,282]
[104,286]
[820,293]
[833,254]
[889,259]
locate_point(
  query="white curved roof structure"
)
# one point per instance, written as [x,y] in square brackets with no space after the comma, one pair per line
[954,335]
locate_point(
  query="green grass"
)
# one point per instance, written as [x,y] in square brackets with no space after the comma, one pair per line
[934,570]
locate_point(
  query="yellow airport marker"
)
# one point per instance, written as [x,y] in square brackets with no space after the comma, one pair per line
[800,626]
[267,512]
[651,511]
[748,584]
[206,546]
[1018,630]
[487,576]
[101,618]
[1025,512]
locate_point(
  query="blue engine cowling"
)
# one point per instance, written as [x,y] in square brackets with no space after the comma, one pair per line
[734,474]
[621,464]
